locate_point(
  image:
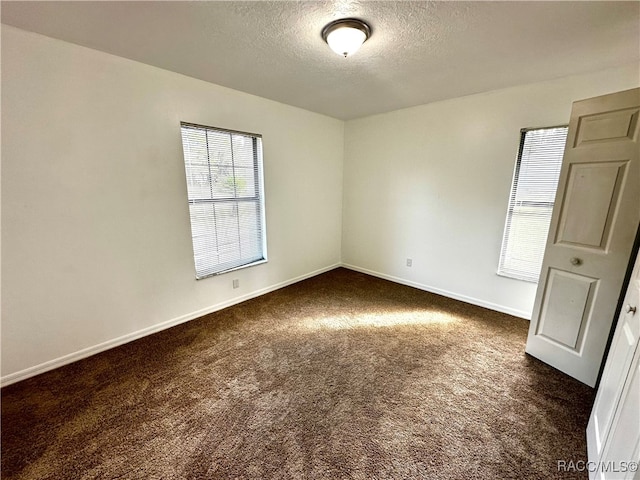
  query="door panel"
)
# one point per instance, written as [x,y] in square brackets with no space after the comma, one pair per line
[594,221]
[593,192]
[566,307]
[611,125]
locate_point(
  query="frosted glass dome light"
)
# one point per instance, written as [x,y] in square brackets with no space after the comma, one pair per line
[346,36]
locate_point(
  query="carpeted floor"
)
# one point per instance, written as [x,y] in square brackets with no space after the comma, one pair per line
[340,376]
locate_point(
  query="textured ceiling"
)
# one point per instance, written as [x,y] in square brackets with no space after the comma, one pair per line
[419,52]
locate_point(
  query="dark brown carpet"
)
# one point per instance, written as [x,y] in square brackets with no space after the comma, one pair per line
[340,376]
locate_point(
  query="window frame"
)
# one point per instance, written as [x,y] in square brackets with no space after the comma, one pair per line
[511,204]
[258,198]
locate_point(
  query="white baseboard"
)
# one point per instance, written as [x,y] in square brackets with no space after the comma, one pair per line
[101,347]
[444,293]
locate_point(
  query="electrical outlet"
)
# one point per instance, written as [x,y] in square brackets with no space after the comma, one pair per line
[236,283]
[409,262]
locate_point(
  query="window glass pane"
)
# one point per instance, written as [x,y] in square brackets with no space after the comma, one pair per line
[197,163]
[243,151]
[223,181]
[245,180]
[250,241]
[227,221]
[219,144]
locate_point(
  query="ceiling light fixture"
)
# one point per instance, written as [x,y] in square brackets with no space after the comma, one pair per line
[346,35]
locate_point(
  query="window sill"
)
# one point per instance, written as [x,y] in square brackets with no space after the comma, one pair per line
[513,277]
[240,267]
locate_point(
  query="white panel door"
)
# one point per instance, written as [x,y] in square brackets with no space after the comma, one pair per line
[621,449]
[595,218]
[613,432]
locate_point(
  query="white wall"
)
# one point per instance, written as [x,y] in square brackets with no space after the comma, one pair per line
[96,240]
[431,183]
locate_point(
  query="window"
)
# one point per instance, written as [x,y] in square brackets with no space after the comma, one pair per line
[533,192]
[226,202]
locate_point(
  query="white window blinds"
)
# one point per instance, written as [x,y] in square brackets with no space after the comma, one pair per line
[226,203]
[533,192]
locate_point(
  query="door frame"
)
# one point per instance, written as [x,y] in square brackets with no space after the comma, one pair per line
[625,286]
